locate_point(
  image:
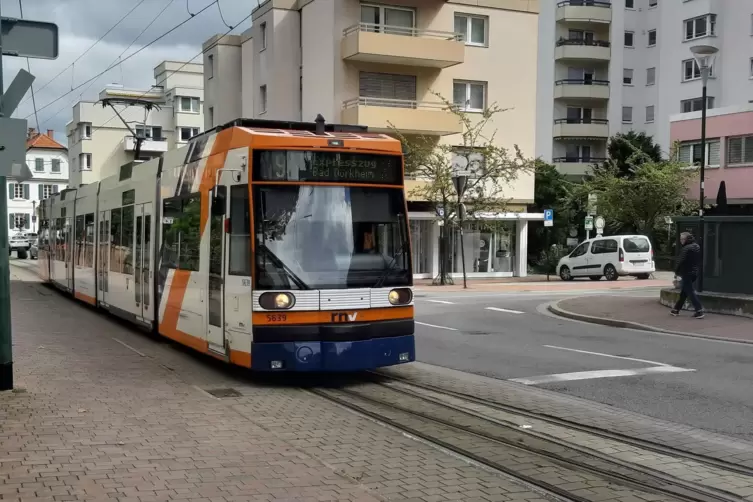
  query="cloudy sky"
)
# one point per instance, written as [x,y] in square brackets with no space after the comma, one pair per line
[82,22]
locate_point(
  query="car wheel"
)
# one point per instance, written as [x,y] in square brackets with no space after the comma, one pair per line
[594,277]
[565,274]
[643,277]
[611,273]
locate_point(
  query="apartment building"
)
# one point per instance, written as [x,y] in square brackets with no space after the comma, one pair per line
[165,116]
[375,63]
[48,162]
[609,67]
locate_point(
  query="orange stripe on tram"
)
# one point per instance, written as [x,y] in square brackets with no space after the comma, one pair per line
[325,317]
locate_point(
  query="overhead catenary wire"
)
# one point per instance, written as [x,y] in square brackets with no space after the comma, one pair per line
[201,53]
[117,61]
[72,65]
[144,47]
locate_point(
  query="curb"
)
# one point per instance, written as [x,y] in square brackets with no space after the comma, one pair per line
[555,309]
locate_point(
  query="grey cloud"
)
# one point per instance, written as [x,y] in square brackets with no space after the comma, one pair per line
[81,22]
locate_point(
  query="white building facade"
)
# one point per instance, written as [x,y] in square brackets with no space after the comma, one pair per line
[370,63]
[48,162]
[100,143]
[614,66]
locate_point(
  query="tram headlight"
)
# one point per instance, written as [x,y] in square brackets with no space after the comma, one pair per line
[400,296]
[277,301]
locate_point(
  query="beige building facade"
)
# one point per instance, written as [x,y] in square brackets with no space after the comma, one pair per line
[376,63]
[100,143]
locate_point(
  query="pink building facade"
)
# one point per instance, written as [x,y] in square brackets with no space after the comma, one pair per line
[729,150]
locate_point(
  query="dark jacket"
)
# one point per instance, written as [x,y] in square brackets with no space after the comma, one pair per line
[689,259]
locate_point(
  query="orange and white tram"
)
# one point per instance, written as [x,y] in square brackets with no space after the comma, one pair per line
[278,246]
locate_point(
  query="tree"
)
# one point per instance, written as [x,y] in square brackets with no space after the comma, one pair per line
[492,168]
[629,150]
[549,258]
[641,202]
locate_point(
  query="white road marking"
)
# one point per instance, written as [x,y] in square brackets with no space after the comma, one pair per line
[435,326]
[586,375]
[129,347]
[505,310]
[608,355]
[441,301]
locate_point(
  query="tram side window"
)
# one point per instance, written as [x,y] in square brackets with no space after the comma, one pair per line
[116,252]
[89,256]
[127,239]
[240,232]
[181,232]
[80,233]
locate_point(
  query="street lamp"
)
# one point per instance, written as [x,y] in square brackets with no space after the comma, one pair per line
[704,55]
[460,179]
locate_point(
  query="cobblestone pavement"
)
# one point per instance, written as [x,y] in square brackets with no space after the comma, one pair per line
[649,312]
[109,413]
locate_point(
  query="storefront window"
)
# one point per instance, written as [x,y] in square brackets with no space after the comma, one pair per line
[489,248]
[420,234]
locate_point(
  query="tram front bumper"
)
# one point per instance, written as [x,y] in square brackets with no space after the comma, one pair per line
[333,347]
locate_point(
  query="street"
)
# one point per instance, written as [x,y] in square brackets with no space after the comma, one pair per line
[698,382]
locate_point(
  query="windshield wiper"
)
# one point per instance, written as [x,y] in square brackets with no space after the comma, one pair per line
[281,265]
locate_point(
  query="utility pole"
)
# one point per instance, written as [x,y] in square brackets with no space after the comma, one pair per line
[19,38]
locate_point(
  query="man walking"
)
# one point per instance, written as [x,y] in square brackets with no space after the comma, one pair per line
[687,269]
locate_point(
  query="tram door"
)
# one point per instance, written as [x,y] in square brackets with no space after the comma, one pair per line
[69,256]
[103,260]
[216,277]
[143,261]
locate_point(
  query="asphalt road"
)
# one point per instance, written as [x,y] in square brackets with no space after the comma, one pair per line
[648,373]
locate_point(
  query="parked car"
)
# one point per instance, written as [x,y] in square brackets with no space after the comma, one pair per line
[34,249]
[20,244]
[610,257]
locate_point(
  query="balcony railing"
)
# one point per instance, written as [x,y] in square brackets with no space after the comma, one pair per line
[579,160]
[585,3]
[581,81]
[149,139]
[394,103]
[403,31]
[581,121]
[582,42]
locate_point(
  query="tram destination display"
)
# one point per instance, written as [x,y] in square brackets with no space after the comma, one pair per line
[325,166]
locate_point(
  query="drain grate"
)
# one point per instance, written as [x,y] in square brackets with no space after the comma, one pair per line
[225,393]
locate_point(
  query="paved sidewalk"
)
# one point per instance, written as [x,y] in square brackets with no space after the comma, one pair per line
[555,284]
[648,313]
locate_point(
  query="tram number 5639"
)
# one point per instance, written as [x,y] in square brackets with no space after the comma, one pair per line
[277,317]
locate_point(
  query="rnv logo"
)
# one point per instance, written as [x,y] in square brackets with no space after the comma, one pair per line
[343,317]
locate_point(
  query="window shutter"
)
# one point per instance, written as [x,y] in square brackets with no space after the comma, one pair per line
[11,191]
[27,218]
[41,191]
[54,189]
[11,220]
[26,191]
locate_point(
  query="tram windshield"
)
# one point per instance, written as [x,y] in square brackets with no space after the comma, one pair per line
[330,237]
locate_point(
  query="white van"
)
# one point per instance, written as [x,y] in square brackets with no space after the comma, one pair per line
[610,257]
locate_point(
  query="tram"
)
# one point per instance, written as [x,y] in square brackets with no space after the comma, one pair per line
[277,246]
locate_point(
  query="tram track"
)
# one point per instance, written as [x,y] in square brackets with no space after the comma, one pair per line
[378,376]
[557,468]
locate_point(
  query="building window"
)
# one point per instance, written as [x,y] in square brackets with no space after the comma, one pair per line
[653,3]
[473,28]
[700,27]
[691,70]
[577,153]
[651,38]
[189,104]
[46,191]
[392,20]
[627,114]
[629,38]
[39,164]
[576,115]
[651,76]
[649,114]
[629,4]
[627,76]
[55,165]
[85,161]
[18,191]
[153,133]
[695,104]
[86,131]
[211,116]
[263,29]
[469,96]
[690,153]
[740,150]
[585,36]
[187,133]
[263,98]
[18,221]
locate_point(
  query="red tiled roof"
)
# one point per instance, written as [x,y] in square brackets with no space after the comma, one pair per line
[43,141]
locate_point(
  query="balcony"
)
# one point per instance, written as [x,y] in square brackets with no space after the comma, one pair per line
[584,11]
[581,89]
[576,166]
[148,145]
[581,128]
[582,50]
[409,117]
[373,43]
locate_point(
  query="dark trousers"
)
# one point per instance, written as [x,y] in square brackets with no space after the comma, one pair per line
[688,291]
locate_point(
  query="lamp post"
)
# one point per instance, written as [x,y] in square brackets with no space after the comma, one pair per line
[704,56]
[460,179]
